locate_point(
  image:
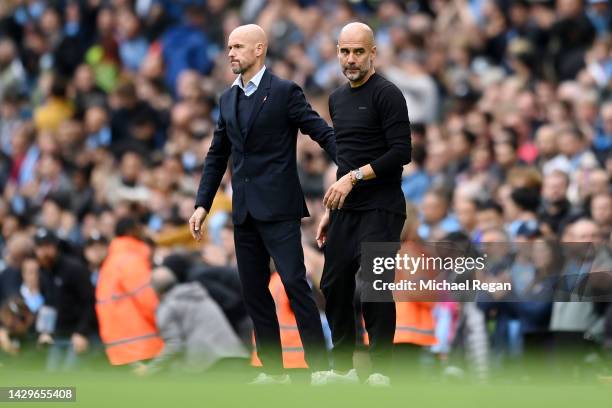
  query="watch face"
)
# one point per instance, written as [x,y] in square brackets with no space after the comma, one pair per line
[359,174]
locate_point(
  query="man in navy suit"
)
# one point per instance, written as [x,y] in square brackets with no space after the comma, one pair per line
[258,123]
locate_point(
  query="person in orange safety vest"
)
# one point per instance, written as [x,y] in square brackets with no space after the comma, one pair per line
[414,322]
[125,300]
[293,352]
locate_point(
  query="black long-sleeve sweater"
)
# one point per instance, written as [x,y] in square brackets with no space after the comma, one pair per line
[371,127]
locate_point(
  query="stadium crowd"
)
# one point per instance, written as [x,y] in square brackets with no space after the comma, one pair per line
[107,109]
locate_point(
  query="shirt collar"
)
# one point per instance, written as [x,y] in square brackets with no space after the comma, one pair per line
[255,80]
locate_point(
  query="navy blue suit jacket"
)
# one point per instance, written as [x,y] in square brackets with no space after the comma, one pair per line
[264,171]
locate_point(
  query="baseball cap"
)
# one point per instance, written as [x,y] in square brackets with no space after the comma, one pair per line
[45,236]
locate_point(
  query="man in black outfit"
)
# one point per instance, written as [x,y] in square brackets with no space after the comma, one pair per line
[67,289]
[258,122]
[366,204]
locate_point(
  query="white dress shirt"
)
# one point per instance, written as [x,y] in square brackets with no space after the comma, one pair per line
[253,84]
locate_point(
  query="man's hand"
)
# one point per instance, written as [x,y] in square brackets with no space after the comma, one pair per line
[322,229]
[6,344]
[80,344]
[335,196]
[196,221]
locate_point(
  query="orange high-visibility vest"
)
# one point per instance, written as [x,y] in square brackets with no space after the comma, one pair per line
[293,351]
[414,322]
[126,303]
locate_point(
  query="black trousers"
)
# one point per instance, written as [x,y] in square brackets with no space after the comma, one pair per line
[256,241]
[345,234]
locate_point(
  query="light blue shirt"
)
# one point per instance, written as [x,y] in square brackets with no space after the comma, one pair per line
[34,301]
[253,84]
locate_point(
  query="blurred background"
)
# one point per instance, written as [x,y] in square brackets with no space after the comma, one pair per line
[107,109]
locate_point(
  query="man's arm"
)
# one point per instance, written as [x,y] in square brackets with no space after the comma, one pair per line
[85,292]
[169,326]
[396,128]
[135,282]
[214,166]
[309,121]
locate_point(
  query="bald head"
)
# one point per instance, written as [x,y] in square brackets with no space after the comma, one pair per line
[251,33]
[586,230]
[356,53]
[357,33]
[247,46]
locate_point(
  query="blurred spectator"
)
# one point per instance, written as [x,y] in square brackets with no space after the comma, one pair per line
[132,45]
[30,288]
[129,114]
[573,323]
[570,35]
[489,215]
[521,207]
[125,300]
[10,118]
[546,143]
[15,322]
[95,252]
[103,53]
[97,127]
[436,220]
[57,107]
[555,207]
[51,179]
[185,46]
[68,296]
[415,180]
[196,333]
[127,186]
[87,93]
[12,73]
[417,85]
[465,211]
[599,14]
[17,249]
[573,152]
[313,164]
[601,212]
[602,142]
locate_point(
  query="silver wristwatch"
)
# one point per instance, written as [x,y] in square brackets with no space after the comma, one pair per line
[358,174]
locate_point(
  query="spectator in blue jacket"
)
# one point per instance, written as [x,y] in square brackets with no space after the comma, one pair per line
[185,46]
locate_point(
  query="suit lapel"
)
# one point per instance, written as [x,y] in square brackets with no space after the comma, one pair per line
[264,87]
[233,106]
